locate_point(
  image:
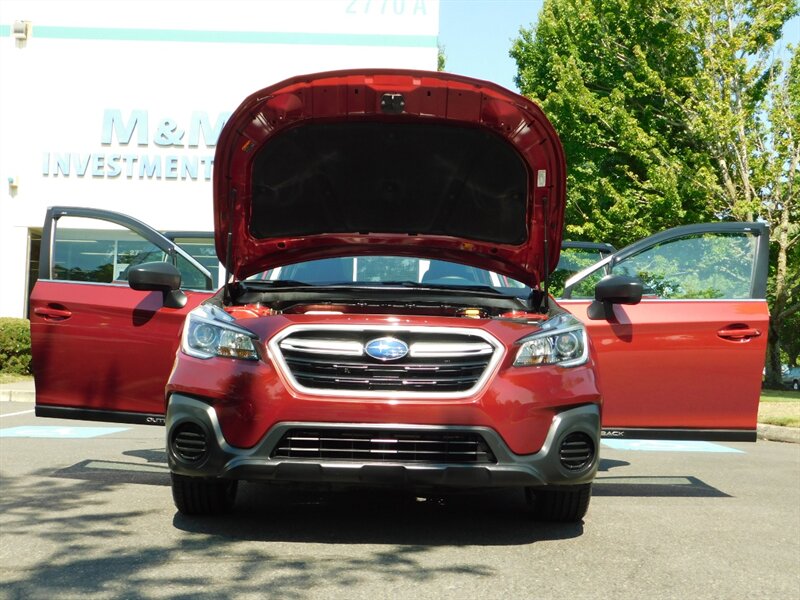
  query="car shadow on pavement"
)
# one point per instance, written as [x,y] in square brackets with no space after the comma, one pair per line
[681,486]
[112,471]
[155,455]
[270,512]
[267,512]
[606,464]
[290,513]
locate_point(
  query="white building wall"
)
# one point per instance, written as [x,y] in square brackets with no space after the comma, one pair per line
[101,91]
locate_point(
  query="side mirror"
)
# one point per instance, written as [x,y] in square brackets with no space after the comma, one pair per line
[158,277]
[614,289]
[618,289]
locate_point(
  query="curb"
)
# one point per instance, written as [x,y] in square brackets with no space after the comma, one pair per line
[776,433]
[17,396]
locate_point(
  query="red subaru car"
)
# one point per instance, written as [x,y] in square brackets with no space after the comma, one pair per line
[385,319]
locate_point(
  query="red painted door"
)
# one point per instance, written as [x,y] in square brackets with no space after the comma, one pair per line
[102,350]
[685,362]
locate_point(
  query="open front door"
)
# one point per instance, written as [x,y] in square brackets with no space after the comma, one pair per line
[685,362]
[102,350]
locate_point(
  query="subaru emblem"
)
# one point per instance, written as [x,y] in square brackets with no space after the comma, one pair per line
[386,348]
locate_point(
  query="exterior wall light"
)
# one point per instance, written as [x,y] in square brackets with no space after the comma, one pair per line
[21,31]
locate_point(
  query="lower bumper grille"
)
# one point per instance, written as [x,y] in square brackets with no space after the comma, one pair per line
[382,446]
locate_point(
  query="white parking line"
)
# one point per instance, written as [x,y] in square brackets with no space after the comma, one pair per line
[22,412]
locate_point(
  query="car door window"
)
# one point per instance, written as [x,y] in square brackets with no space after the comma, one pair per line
[191,277]
[84,252]
[703,266]
[99,251]
[571,261]
[693,262]
[201,248]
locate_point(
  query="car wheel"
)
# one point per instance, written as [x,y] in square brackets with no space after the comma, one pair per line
[199,496]
[561,505]
[796,385]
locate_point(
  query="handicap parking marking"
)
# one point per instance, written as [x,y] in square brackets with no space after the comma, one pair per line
[668,446]
[56,432]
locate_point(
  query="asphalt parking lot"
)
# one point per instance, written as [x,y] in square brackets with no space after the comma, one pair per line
[86,511]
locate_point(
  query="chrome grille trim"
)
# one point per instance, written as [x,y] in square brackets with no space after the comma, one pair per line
[364,445]
[487,352]
[431,349]
[329,347]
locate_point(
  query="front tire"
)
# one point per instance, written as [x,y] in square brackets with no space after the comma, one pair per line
[200,496]
[560,505]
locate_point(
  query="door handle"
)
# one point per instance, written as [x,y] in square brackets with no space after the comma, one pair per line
[52,314]
[738,334]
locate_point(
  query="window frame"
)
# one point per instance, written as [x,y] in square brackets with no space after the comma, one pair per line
[170,248]
[758,282]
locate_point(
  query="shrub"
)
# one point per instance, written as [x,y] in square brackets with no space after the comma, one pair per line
[15,346]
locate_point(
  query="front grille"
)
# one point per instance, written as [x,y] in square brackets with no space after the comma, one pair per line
[436,362]
[577,451]
[189,442]
[376,445]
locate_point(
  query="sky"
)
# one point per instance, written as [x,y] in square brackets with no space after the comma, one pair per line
[477,34]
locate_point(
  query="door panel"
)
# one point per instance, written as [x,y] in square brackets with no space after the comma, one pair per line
[102,350]
[686,362]
[664,365]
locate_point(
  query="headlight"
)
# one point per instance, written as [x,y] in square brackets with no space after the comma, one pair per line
[562,342]
[210,331]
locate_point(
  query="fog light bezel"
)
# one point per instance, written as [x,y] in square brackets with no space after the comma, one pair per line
[588,463]
[174,452]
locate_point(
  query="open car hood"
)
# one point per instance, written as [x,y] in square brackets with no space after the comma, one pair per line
[389,162]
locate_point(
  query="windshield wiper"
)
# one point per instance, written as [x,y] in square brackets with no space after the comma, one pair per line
[439,286]
[290,283]
[279,282]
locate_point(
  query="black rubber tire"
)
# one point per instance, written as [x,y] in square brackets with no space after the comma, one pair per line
[560,505]
[796,385]
[199,496]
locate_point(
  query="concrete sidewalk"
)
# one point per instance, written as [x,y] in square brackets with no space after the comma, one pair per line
[25,391]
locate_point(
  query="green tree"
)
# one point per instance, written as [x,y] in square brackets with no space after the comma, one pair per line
[777,185]
[613,75]
[673,112]
[790,340]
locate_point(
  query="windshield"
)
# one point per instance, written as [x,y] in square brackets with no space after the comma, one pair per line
[400,270]
[391,270]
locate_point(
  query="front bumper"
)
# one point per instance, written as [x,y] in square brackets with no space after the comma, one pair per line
[543,468]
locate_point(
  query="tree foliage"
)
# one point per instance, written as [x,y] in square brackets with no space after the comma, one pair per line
[733,42]
[673,112]
[613,76]
[777,182]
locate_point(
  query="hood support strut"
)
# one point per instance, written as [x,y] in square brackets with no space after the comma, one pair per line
[227,298]
[538,301]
